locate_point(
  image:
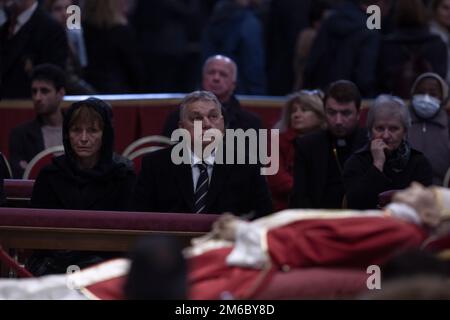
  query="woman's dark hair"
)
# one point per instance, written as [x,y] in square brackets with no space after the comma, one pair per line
[87,115]
[50,73]
[343,91]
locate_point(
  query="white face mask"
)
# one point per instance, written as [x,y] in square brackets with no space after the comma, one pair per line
[425,105]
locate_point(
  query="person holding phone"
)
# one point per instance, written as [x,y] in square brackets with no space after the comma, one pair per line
[387,162]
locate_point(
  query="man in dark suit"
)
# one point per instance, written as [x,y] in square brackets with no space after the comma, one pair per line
[29,37]
[45,131]
[201,184]
[219,77]
[320,156]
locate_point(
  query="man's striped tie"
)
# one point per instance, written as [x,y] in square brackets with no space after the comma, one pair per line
[202,189]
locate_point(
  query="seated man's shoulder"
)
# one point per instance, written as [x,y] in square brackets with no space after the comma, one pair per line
[25,127]
[250,120]
[160,156]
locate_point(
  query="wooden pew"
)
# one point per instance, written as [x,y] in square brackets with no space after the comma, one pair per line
[22,228]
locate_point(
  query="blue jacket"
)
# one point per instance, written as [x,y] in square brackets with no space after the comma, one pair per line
[236,32]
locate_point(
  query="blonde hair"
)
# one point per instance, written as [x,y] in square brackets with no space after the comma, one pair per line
[310,100]
[103,13]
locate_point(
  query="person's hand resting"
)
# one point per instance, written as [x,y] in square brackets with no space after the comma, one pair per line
[377,148]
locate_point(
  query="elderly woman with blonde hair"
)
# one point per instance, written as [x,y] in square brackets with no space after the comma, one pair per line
[303,113]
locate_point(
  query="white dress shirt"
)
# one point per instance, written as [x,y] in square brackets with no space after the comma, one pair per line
[209,161]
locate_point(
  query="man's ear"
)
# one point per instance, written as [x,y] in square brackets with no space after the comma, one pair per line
[62,93]
[234,86]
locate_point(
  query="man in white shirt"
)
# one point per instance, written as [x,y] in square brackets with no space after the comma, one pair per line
[45,131]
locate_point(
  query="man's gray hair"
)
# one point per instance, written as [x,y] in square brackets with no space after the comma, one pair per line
[198,96]
[234,68]
[391,106]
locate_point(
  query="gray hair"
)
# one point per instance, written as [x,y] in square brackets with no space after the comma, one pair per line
[390,105]
[234,68]
[198,96]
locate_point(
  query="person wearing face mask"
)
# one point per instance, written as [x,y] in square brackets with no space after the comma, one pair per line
[387,162]
[429,132]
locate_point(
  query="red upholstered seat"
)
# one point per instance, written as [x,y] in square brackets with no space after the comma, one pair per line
[18,189]
[41,160]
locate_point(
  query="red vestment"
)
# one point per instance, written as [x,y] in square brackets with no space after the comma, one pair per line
[350,243]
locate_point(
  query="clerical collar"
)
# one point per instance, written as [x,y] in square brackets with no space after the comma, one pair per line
[341,142]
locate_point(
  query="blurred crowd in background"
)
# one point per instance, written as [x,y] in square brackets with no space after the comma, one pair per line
[152,46]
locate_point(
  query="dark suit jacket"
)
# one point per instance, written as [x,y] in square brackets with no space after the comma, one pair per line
[311,168]
[163,186]
[235,116]
[40,40]
[25,141]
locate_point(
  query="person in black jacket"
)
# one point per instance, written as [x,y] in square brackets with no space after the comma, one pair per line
[320,157]
[387,162]
[345,48]
[30,37]
[164,185]
[86,177]
[219,77]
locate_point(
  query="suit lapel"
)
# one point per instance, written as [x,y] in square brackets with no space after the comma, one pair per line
[183,176]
